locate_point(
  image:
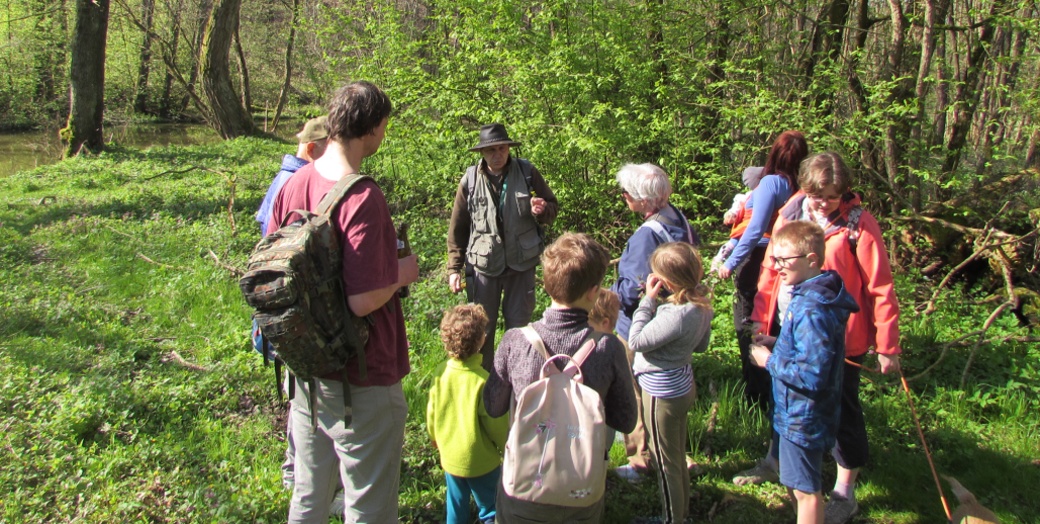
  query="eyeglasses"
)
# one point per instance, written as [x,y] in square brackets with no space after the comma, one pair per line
[785,262]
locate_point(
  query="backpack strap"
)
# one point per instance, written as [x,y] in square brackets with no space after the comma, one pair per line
[579,357]
[535,340]
[335,195]
[658,228]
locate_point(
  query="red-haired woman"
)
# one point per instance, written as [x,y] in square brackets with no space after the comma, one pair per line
[744,264]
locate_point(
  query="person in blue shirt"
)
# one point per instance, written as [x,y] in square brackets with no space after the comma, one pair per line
[313,139]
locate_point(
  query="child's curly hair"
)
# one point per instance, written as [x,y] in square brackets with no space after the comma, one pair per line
[462,330]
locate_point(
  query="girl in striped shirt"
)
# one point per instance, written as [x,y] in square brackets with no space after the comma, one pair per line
[665,333]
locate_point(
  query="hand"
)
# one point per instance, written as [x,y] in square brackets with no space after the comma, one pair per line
[759,355]
[455,282]
[724,272]
[764,340]
[407,270]
[654,285]
[889,363]
[537,205]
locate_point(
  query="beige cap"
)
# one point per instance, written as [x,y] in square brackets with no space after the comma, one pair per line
[313,130]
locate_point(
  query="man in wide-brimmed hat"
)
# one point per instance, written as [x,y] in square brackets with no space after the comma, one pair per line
[495,234]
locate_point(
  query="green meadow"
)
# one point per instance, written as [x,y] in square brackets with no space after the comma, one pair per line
[129,391]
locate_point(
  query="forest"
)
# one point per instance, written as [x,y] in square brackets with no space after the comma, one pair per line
[935,104]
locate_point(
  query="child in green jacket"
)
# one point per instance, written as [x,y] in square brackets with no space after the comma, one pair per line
[470,441]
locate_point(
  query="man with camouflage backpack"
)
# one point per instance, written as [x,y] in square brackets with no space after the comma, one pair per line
[369,448]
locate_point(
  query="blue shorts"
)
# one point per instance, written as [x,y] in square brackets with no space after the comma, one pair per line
[801,468]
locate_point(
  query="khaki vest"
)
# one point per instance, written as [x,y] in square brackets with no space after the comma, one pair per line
[491,251]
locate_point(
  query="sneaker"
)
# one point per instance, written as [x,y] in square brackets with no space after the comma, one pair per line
[761,473]
[839,509]
[629,473]
[338,506]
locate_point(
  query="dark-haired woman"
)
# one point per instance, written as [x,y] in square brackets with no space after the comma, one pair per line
[744,264]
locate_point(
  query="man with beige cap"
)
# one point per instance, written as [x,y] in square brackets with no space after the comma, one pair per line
[312,140]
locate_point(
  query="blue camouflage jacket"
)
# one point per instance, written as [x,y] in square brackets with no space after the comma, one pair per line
[807,362]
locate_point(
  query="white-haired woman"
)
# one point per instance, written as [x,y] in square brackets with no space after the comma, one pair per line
[646,190]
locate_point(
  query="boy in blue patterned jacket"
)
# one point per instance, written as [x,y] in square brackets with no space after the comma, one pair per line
[806,363]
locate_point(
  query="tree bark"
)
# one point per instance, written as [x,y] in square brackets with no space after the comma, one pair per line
[892,142]
[166,101]
[144,68]
[283,95]
[87,78]
[243,71]
[228,116]
[202,17]
[968,91]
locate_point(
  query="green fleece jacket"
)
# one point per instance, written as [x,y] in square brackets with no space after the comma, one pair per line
[469,440]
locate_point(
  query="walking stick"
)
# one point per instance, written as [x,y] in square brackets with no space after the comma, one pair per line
[920,434]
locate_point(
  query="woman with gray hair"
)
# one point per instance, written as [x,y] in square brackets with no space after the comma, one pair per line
[646,190]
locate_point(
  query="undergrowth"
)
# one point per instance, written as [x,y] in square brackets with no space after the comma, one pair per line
[129,391]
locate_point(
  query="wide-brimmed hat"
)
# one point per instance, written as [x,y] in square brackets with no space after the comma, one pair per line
[314,130]
[493,135]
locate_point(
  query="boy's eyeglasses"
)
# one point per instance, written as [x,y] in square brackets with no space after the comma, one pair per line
[785,262]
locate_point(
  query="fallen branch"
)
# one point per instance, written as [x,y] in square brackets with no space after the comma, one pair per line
[160,264]
[985,327]
[232,269]
[177,358]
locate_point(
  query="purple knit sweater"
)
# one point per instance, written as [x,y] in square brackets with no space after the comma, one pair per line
[606,370]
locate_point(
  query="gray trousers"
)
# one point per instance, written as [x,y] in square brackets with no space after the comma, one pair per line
[517,307]
[366,456]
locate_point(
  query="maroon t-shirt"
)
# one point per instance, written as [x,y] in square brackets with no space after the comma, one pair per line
[369,263]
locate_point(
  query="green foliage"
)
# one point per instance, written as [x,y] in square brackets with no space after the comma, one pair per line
[112,295]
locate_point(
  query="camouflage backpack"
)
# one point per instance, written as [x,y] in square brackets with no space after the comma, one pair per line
[294,281]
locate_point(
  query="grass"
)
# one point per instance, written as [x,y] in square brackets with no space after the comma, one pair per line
[129,392]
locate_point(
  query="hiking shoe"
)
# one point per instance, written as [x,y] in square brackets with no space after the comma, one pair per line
[839,509]
[629,473]
[761,473]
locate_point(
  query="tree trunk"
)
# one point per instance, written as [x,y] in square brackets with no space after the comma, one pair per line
[968,92]
[892,143]
[227,116]
[1033,154]
[87,78]
[283,95]
[147,14]
[247,99]
[166,102]
[202,16]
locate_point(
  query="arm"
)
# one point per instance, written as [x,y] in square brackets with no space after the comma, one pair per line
[498,390]
[541,189]
[458,230]
[496,428]
[431,415]
[872,259]
[650,331]
[633,269]
[364,303]
[765,299]
[770,194]
[807,361]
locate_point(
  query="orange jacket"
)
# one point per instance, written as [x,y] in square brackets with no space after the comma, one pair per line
[856,250]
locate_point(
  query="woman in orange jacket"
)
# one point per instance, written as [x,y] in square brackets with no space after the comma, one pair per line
[856,250]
